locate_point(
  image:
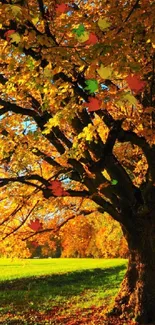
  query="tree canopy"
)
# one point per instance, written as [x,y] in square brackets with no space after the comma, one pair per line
[77,117]
[77,97]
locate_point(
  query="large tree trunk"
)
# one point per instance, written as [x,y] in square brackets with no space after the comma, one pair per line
[136,298]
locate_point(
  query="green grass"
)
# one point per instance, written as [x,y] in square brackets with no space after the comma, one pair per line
[58,287]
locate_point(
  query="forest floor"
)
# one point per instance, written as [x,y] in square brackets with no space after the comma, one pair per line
[59,291]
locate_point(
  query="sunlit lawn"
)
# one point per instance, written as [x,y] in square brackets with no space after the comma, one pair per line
[57,291]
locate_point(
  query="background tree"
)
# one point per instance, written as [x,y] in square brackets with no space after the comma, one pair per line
[77,125]
[93,236]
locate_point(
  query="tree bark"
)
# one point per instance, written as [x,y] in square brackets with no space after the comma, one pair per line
[136,298]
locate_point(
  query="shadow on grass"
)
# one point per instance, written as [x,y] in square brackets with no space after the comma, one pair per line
[60,286]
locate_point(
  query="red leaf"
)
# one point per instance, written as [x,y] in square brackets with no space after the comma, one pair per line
[54,185]
[35,225]
[61,8]
[135,83]
[92,39]
[94,104]
[8,33]
[57,189]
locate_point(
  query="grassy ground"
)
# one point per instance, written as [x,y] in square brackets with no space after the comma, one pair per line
[58,291]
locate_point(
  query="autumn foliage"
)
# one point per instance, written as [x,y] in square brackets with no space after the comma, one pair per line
[77,126]
[84,236]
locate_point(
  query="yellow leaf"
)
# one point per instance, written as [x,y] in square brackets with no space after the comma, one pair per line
[149,41]
[130,98]
[81,68]
[87,133]
[106,175]
[15,38]
[54,121]
[47,71]
[83,38]
[105,72]
[35,20]
[46,90]
[15,10]
[103,23]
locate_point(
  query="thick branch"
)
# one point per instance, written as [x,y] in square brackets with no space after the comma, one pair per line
[48,159]
[108,147]
[47,192]
[47,30]
[130,136]
[41,120]
[7,106]
[125,136]
[107,207]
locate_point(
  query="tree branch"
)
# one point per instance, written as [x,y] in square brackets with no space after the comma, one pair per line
[7,106]
[23,222]
[41,120]
[48,159]
[56,229]
[47,192]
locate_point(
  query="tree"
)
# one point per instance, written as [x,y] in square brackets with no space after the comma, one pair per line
[93,236]
[110,240]
[78,124]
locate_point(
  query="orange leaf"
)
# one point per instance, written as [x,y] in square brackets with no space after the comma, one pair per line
[35,225]
[8,33]
[135,83]
[94,104]
[57,189]
[92,39]
[61,8]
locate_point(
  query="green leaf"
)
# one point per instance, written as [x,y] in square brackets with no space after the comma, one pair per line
[114,181]
[92,85]
[80,30]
